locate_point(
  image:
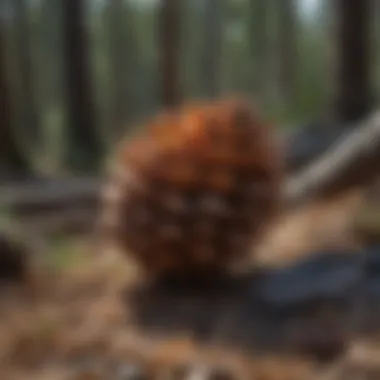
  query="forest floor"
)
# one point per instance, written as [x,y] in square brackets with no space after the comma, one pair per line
[73,322]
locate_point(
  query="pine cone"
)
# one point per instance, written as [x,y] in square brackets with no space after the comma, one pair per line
[190,194]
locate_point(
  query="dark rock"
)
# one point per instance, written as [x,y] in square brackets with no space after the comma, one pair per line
[312,306]
[322,276]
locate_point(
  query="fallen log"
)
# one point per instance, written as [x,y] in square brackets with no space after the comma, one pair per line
[55,192]
[67,205]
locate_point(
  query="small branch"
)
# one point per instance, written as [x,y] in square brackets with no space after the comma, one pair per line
[354,160]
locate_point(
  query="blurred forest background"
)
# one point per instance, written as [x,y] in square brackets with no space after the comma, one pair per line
[76,74]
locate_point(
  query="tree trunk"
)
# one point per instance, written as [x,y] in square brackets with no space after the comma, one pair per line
[169,54]
[51,54]
[121,58]
[288,47]
[12,160]
[354,92]
[26,95]
[375,19]
[83,150]
[212,40]
[259,37]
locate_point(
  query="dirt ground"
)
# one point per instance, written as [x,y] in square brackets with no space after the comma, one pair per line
[75,324]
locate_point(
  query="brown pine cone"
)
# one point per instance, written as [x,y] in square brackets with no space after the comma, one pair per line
[190,194]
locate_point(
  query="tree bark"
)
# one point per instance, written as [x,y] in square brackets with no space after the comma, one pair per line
[13,163]
[169,35]
[259,41]
[375,20]
[354,93]
[288,47]
[118,62]
[212,40]
[83,148]
[26,93]
[51,52]
[121,62]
